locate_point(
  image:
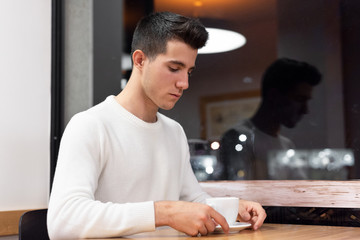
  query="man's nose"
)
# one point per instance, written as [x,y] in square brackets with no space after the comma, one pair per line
[183,82]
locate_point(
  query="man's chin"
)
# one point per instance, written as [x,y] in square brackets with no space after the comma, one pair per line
[167,107]
[290,124]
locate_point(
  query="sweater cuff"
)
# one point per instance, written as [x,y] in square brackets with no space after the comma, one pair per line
[145,213]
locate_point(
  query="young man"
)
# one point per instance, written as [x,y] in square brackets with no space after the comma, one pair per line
[123,167]
[286,89]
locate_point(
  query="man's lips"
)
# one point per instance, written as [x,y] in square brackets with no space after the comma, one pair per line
[175,95]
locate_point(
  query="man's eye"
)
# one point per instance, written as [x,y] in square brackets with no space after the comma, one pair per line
[173,69]
[189,74]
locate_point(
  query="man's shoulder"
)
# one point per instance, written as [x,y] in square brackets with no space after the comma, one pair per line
[287,142]
[93,114]
[243,126]
[170,125]
[167,120]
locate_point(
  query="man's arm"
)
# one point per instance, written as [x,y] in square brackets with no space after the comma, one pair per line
[73,210]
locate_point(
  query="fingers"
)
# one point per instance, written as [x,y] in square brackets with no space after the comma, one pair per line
[191,218]
[219,219]
[258,216]
[261,215]
[252,212]
[203,231]
[210,222]
[210,225]
[244,215]
[206,223]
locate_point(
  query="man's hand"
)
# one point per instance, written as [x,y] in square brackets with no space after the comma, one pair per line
[251,212]
[188,217]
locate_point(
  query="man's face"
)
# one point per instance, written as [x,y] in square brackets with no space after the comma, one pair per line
[295,104]
[167,76]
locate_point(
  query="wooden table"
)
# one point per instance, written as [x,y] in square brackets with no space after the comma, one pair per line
[266,232]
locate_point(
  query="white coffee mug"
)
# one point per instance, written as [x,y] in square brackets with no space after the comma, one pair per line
[226,206]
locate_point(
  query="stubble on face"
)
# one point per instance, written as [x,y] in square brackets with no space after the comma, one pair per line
[166,76]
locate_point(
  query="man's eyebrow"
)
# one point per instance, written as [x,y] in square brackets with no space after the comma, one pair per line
[180,64]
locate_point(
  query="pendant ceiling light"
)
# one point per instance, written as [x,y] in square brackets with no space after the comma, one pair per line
[221,40]
[214,15]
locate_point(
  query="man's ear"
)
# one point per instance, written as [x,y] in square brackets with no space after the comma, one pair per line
[273,95]
[138,58]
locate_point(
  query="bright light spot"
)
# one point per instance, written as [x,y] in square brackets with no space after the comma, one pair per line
[290,153]
[241,173]
[242,137]
[325,161]
[215,145]
[239,147]
[348,159]
[208,162]
[209,169]
[324,153]
[221,40]
[198,3]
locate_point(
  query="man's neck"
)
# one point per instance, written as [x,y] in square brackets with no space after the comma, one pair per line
[136,104]
[266,122]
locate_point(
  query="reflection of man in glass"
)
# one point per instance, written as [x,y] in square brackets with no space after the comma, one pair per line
[286,89]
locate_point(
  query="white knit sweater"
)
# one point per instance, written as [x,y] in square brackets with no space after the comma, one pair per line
[111,168]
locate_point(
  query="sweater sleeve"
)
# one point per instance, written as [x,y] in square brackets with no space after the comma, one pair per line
[73,211]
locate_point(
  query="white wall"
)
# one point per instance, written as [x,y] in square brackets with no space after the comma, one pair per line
[25,55]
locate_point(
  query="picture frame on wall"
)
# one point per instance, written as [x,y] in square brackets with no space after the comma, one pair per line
[220,112]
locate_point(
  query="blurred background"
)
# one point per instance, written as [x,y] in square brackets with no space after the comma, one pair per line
[225,88]
[322,33]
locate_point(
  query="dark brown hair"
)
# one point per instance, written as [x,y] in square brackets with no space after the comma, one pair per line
[284,74]
[154,31]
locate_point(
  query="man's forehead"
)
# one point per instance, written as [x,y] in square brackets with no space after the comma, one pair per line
[176,43]
[177,62]
[179,53]
[303,87]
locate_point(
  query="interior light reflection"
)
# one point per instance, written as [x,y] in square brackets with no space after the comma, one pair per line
[208,162]
[209,169]
[215,145]
[242,137]
[239,147]
[290,153]
[221,40]
[348,159]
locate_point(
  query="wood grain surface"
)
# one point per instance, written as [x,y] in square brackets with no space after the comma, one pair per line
[266,232]
[297,193]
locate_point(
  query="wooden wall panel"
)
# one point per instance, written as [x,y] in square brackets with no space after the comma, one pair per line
[9,222]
